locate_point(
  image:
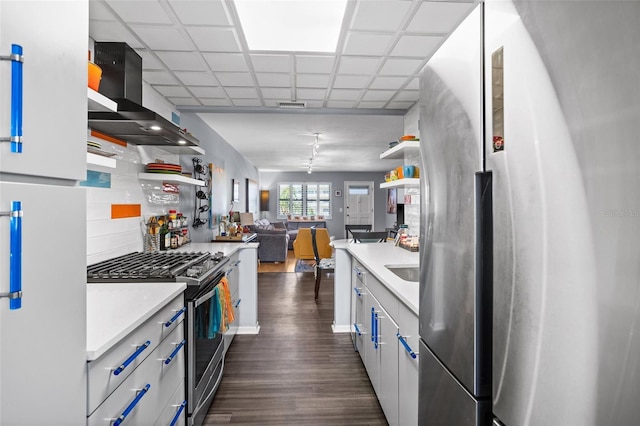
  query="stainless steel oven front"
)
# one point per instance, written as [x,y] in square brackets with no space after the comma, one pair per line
[205,350]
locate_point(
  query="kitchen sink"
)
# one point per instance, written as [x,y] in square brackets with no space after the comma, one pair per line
[405,272]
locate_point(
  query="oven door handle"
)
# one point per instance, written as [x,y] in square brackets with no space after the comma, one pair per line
[199,300]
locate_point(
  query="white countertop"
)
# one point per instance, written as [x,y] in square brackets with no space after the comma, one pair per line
[374,256]
[116,309]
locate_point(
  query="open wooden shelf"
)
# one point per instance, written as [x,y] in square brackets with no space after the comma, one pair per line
[399,151]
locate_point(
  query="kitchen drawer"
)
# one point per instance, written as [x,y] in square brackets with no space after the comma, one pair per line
[233,327]
[175,410]
[387,300]
[101,380]
[162,378]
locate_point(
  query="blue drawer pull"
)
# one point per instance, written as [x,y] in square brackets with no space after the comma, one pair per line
[175,317]
[15,255]
[177,416]
[16,59]
[238,303]
[131,358]
[357,329]
[175,352]
[373,326]
[358,292]
[406,346]
[131,406]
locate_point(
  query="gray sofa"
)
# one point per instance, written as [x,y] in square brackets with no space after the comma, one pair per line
[273,239]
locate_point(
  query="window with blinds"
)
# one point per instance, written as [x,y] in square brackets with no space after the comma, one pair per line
[304,199]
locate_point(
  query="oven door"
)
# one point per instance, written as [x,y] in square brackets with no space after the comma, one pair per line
[205,349]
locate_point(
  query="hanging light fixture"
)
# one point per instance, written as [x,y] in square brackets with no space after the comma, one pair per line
[314,152]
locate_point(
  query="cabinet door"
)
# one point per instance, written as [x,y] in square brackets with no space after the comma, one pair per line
[43,352]
[233,277]
[408,368]
[371,347]
[248,291]
[387,330]
[360,320]
[53,36]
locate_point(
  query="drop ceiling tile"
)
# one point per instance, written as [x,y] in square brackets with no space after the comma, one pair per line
[182,61]
[314,64]
[209,39]
[340,104]
[350,81]
[226,62]
[241,92]
[418,46]
[162,38]
[234,79]
[378,95]
[99,11]
[247,102]
[379,15]
[274,79]
[356,65]
[112,31]
[407,95]
[276,93]
[388,83]
[172,91]
[140,11]
[438,17]
[367,44]
[196,78]
[149,62]
[312,80]
[312,94]
[159,77]
[271,63]
[414,85]
[400,105]
[315,104]
[215,102]
[401,66]
[344,95]
[183,101]
[372,104]
[207,91]
[210,12]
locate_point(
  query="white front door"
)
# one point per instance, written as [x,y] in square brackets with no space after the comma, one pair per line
[358,203]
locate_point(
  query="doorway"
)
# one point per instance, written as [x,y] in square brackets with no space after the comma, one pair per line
[358,203]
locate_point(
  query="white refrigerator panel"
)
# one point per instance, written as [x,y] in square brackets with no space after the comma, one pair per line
[54,37]
[43,344]
[566,212]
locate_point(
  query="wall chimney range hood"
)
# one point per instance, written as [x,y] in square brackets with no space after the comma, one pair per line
[122,82]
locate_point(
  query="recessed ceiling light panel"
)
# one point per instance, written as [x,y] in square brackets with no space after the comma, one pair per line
[291,25]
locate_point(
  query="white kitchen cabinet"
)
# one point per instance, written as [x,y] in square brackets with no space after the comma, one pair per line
[248,290]
[407,367]
[42,344]
[232,272]
[53,36]
[148,354]
[380,317]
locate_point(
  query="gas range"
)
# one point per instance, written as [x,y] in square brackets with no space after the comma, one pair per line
[194,268]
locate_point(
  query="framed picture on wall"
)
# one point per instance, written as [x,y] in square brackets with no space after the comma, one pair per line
[337,193]
[392,200]
[235,190]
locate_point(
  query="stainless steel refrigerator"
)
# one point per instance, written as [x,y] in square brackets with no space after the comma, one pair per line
[532,108]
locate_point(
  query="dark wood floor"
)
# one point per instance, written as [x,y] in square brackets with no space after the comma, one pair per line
[296,371]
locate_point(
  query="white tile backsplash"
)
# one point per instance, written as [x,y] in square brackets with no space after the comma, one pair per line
[108,238]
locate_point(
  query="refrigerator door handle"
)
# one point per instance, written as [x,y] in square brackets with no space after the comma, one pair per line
[15,256]
[16,59]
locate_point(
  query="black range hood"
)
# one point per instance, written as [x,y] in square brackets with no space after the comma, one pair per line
[122,83]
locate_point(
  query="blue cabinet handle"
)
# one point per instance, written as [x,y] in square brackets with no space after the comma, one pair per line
[373,327]
[16,59]
[131,406]
[177,416]
[175,352]
[238,303]
[175,317]
[406,346]
[357,329]
[15,255]
[358,292]
[131,358]
[375,324]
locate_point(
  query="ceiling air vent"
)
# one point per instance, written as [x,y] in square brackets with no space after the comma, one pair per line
[292,105]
